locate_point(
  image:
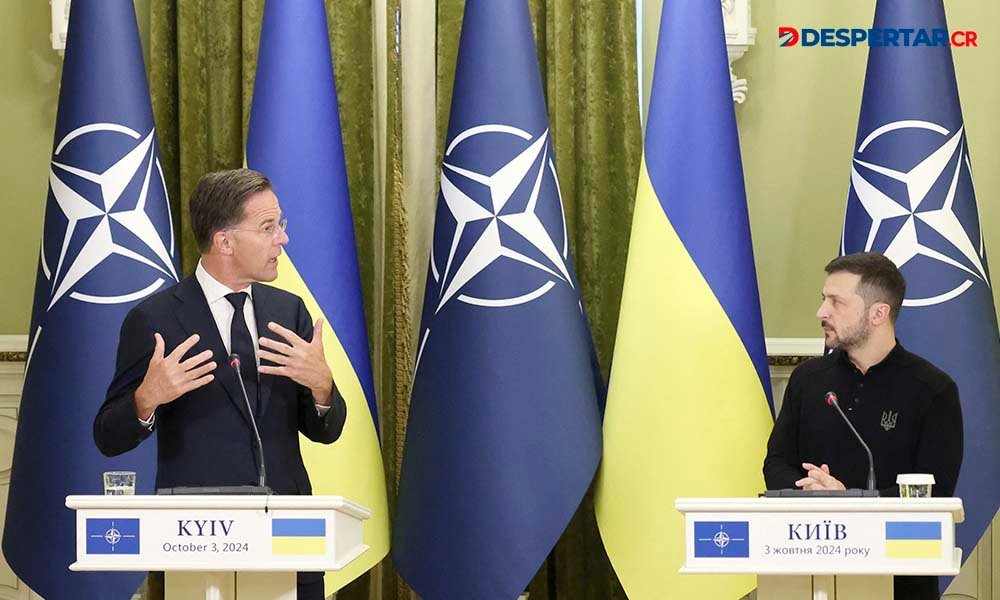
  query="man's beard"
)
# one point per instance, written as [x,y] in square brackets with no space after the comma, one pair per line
[855,337]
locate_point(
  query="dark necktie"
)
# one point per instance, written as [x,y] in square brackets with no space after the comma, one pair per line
[242,344]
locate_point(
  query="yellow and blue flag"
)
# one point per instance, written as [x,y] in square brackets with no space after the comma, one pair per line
[298,536]
[912,198]
[107,243]
[912,539]
[294,139]
[504,430]
[688,409]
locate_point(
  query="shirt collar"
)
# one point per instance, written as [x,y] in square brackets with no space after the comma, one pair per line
[212,288]
[895,355]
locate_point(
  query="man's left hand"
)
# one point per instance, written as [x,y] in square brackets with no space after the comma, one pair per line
[301,361]
[819,478]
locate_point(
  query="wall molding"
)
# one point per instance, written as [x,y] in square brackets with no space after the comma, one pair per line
[740,35]
[13,347]
[14,343]
[794,346]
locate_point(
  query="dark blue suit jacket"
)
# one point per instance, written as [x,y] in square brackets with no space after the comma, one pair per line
[205,438]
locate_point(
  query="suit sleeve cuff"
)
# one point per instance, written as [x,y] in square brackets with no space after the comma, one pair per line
[148,423]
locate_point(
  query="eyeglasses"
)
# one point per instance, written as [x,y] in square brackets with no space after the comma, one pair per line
[271,230]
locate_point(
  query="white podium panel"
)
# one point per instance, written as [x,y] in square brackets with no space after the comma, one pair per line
[822,547]
[200,541]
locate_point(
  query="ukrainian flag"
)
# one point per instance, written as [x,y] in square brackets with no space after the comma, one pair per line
[688,410]
[294,138]
[912,539]
[298,536]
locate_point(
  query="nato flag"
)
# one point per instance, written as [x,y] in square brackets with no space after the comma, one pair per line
[722,539]
[107,243]
[912,199]
[504,430]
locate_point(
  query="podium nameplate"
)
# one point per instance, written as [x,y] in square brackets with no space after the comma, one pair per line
[216,533]
[866,536]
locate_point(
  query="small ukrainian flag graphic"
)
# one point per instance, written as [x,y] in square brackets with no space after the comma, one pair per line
[912,539]
[298,536]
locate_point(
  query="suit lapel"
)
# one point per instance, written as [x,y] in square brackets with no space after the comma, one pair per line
[263,314]
[195,317]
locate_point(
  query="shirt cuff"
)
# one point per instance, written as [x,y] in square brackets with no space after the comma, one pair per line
[321,410]
[148,424]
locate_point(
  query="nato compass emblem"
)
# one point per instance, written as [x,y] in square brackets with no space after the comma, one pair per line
[112,536]
[108,185]
[503,213]
[721,539]
[918,198]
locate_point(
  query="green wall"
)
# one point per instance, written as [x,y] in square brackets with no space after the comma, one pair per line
[797,131]
[30,71]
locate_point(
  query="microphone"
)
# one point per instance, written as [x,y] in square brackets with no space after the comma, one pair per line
[831,399]
[234,362]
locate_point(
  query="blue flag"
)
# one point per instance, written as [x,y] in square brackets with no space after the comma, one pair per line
[107,243]
[912,199]
[504,430]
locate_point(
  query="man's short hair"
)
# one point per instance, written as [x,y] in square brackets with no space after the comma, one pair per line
[880,281]
[218,200]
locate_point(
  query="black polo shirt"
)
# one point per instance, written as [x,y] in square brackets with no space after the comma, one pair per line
[905,408]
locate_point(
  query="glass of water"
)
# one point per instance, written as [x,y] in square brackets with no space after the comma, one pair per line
[119,483]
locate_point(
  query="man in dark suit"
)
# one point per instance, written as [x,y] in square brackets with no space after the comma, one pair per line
[173,373]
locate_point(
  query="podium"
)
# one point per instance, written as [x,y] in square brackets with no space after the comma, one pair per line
[218,547]
[822,548]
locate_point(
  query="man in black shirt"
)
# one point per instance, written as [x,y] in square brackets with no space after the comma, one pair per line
[905,408]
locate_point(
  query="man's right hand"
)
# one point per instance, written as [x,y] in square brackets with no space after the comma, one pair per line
[819,478]
[170,377]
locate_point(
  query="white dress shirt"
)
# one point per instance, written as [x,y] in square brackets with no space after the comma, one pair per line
[223,311]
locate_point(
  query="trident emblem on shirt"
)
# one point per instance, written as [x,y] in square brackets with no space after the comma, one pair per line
[889,419]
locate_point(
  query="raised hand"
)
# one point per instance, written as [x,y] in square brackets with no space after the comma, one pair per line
[301,361]
[170,377]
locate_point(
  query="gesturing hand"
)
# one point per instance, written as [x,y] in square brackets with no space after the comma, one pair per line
[170,377]
[819,478]
[301,361]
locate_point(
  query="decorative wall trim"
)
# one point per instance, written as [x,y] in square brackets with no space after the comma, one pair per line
[790,352]
[740,35]
[14,343]
[13,348]
[60,24]
[794,346]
